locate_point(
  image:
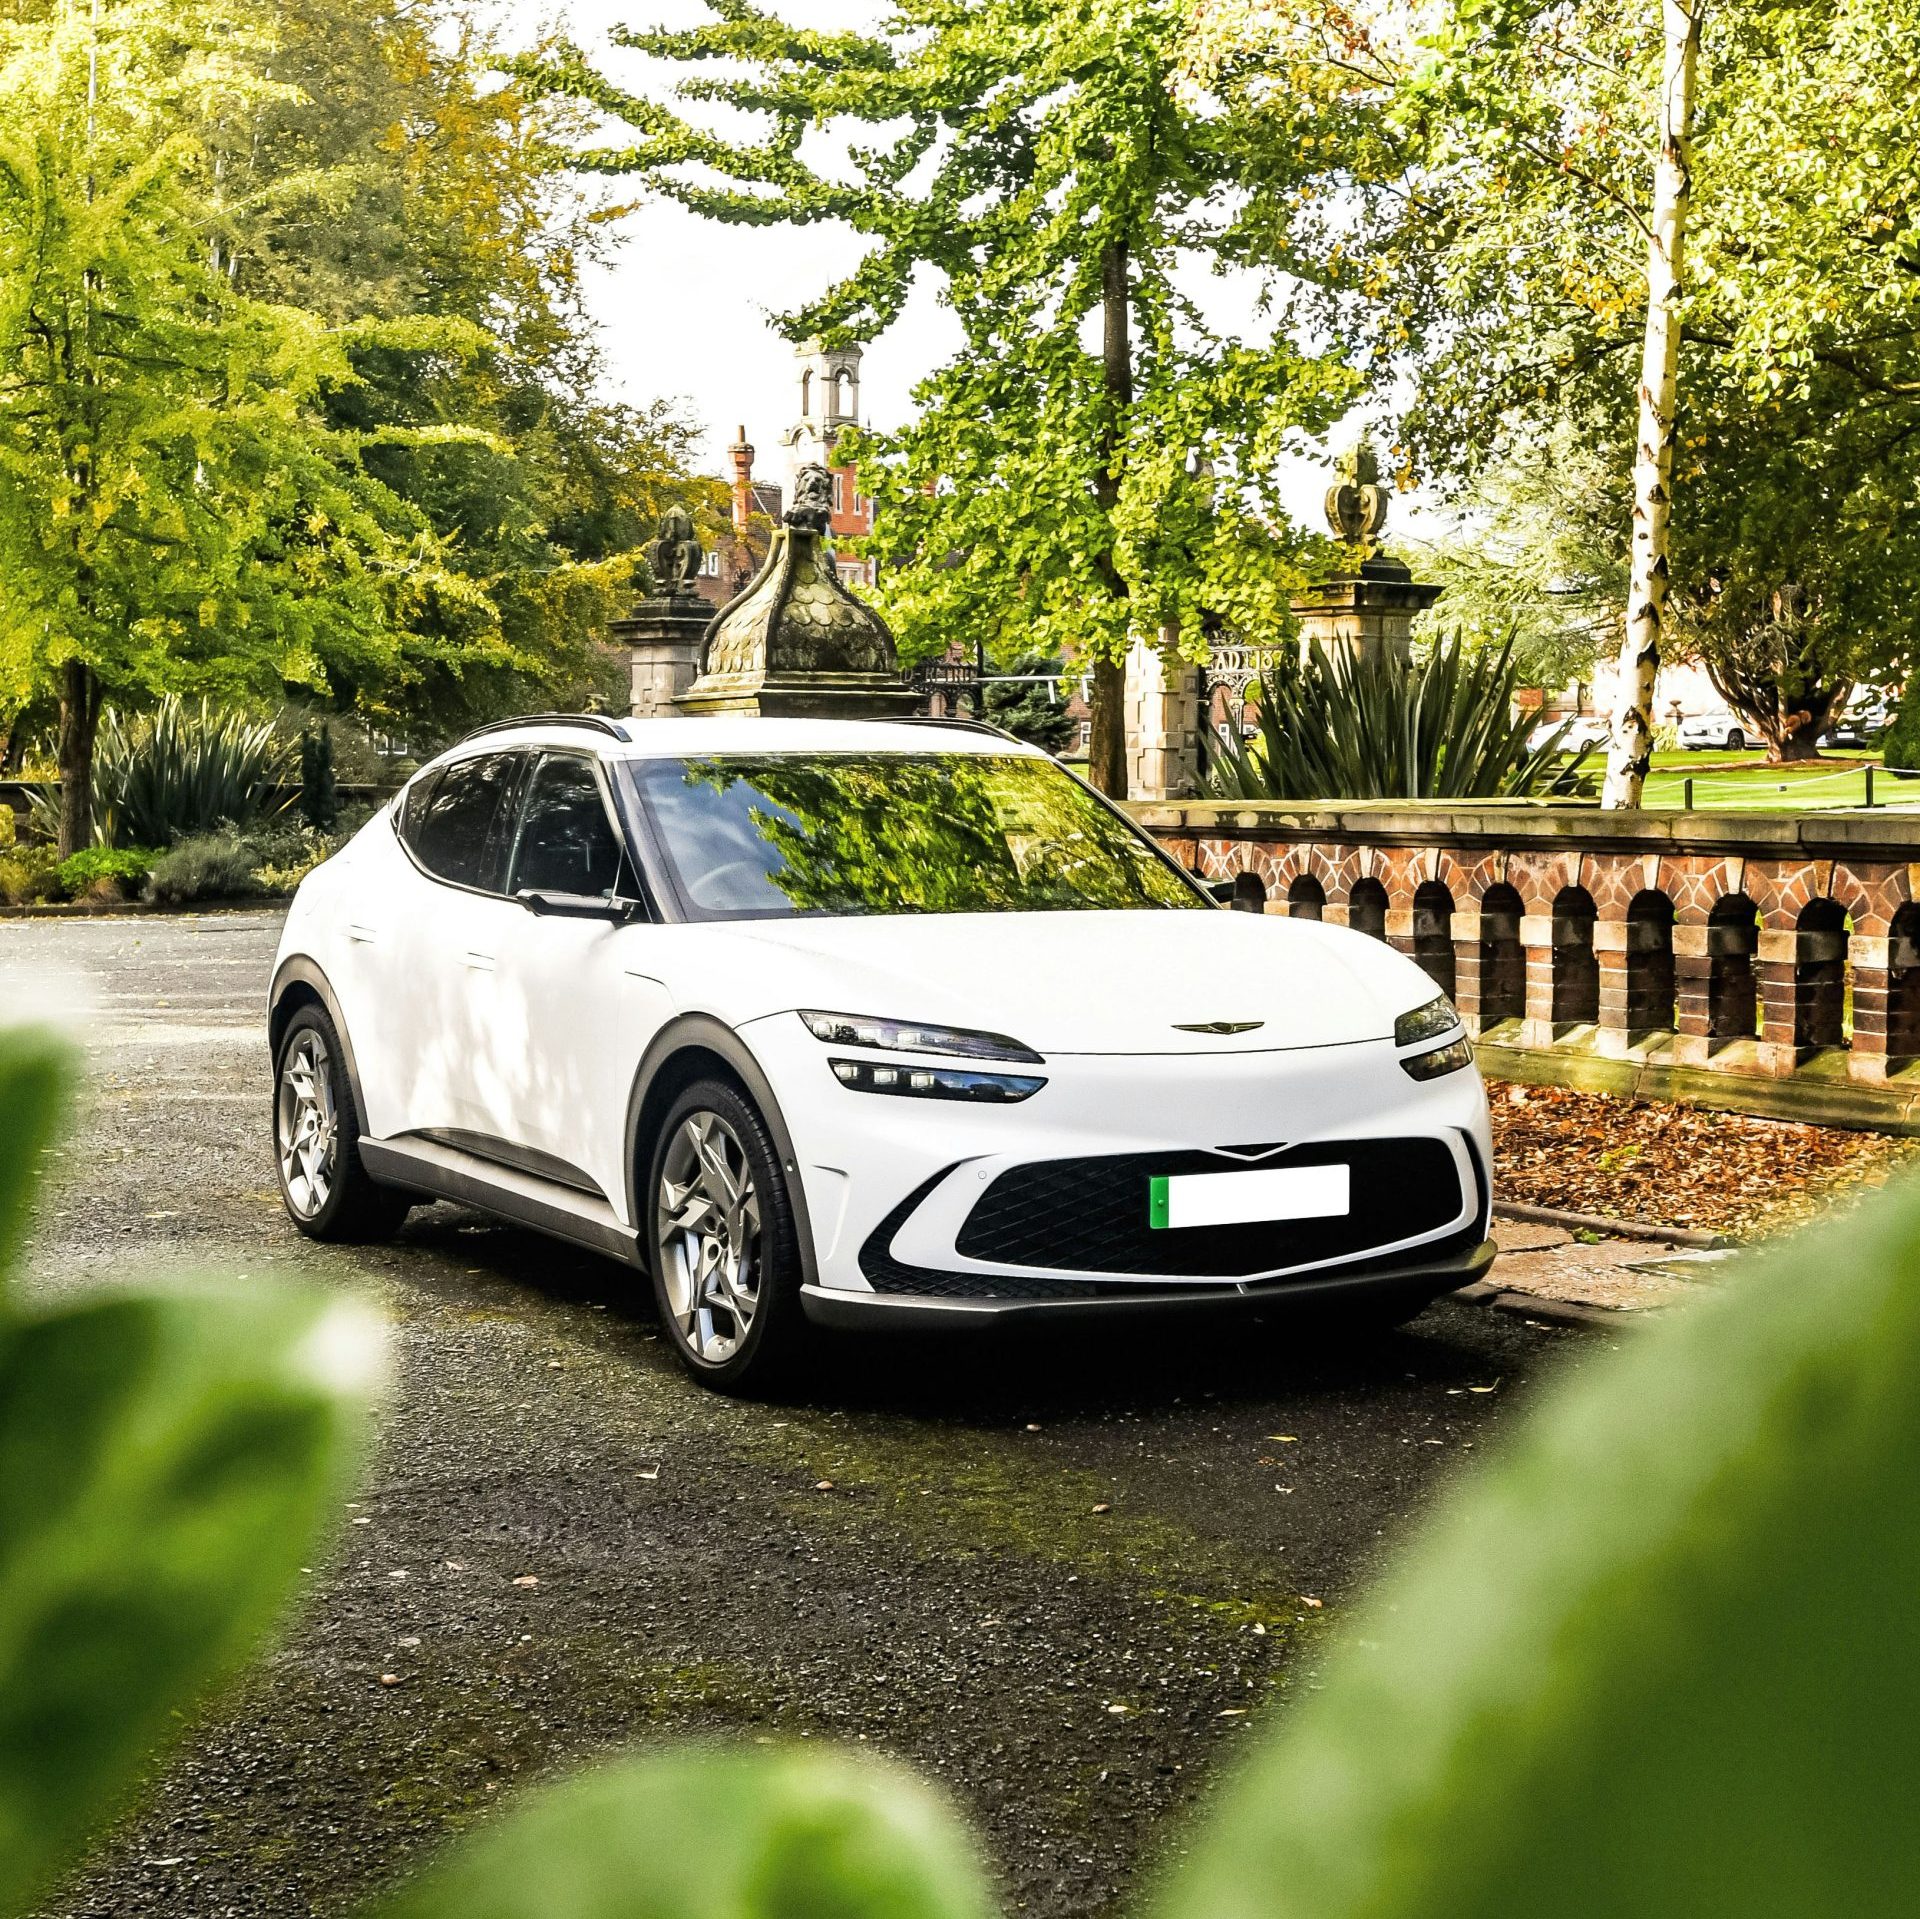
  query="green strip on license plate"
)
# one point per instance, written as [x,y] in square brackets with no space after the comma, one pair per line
[1157,1202]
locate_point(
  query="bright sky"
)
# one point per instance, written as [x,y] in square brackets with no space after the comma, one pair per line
[683,302]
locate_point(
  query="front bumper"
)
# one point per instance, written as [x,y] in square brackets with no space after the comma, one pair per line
[846,1311]
[891,1184]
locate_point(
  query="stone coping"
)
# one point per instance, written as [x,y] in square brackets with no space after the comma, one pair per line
[1882,831]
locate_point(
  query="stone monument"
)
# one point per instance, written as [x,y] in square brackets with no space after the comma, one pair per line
[662,634]
[1370,605]
[796,643]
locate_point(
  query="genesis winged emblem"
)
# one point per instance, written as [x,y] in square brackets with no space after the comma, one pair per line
[1219,1026]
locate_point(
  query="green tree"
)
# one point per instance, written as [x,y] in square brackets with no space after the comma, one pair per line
[1096,463]
[174,507]
[1502,274]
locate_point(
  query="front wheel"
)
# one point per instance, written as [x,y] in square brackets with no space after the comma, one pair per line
[1736,742]
[316,1139]
[725,1259]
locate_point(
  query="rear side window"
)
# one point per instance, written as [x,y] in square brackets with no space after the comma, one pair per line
[459,821]
[567,843]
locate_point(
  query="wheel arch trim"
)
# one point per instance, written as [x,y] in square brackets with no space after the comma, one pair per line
[300,972]
[702,1033]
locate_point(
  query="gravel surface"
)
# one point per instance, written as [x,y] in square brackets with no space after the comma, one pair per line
[1063,1576]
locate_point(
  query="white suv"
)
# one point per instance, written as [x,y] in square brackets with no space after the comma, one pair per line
[858,1023]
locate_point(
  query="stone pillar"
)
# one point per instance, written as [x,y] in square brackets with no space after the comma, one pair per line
[663,639]
[1773,983]
[1466,966]
[1692,970]
[1610,950]
[1162,720]
[1368,610]
[1536,935]
[1870,959]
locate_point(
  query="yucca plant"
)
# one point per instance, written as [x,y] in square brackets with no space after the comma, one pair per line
[177,770]
[1347,726]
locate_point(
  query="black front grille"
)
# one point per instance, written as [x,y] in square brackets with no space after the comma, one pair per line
[1091,1215]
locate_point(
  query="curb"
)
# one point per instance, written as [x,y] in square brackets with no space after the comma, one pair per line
[138,909]
[1556,1312]
[1612,1228]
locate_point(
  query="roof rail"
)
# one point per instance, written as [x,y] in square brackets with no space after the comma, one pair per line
[965,724]
[598,722]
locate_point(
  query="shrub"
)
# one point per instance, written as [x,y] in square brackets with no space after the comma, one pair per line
[209,866]
[103,872]
[1341,726]
[1900,744]
[176,771]
[8,832]
[29,874]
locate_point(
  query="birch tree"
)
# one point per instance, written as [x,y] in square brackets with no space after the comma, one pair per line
[1631,748]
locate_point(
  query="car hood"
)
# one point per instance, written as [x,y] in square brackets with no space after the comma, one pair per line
[1093,982]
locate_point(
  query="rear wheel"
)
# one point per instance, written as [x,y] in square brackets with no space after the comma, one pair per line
[1736,742]
[726,1266]
[316,1139]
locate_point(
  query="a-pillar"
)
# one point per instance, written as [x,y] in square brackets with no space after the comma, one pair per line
[1614,1040]
[1536,935]
[1872,992]
[1162,720]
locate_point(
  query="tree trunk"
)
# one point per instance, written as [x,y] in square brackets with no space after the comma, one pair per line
[79,722]
[1632,745]
[1107,742]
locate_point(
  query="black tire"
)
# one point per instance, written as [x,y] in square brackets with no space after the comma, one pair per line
[1736,742]
[353,1206]
[699,1294]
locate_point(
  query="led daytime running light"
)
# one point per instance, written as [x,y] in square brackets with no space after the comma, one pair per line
[934,1082]
[908,1036]
[1433,1020]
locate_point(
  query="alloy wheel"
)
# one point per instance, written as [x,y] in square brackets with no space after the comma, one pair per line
[707,1224]
[306,1124]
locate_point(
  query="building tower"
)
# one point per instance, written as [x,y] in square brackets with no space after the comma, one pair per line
[830,400]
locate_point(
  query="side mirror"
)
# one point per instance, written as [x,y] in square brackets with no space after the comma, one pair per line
[576,906]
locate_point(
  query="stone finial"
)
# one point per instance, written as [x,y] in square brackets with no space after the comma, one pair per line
[674,556]
[1357,502]
[796,641]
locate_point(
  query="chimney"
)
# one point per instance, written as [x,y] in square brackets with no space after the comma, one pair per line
[742,455]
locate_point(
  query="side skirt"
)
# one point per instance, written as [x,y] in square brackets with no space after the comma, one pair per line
[444,1172]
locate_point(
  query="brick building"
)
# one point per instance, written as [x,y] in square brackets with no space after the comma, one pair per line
[829,403]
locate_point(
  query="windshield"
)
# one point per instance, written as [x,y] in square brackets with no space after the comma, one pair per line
[750,836]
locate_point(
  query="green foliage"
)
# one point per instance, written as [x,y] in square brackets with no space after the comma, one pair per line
[176,770]
[1037,711]
[29,873]
[110,870]
[319,791]
[205,866]
[1900,746]
[1663,1619]
[1098,459]
[1364,727]
[781,1836]
[167,1457]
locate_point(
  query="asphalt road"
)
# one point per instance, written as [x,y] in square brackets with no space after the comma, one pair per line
[1066,1578]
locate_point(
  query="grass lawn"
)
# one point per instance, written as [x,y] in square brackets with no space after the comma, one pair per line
[1745,783]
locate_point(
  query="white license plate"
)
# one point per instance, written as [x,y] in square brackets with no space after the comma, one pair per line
[1239,1199]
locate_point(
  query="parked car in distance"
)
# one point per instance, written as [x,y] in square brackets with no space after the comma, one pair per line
[1585,729]
[1860,726]
[1714,732]
[859,1024]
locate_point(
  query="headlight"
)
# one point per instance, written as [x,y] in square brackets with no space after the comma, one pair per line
[904,1036]
[1443,1059]
[934,1082]
[1430,1021]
